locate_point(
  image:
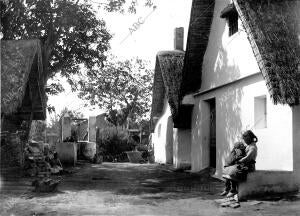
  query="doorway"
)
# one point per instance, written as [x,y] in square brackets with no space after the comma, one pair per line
[169,141]
[212,132]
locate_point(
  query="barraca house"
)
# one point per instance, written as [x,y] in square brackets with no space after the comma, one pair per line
[240,71]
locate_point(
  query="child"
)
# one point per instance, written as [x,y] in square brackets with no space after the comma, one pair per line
[238,171]
[236,154]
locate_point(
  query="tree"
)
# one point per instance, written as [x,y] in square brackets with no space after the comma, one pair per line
[123,88]
[70,31]
[116,117]
[37,130]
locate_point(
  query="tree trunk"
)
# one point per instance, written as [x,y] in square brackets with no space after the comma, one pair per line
[5,27]
[47,48]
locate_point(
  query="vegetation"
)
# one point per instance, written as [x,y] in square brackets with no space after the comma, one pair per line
[72,34]
[75,41]
[113,145]
[123,88]
[37,131]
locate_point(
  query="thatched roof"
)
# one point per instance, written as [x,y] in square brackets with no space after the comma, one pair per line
[22,87]
[167,79]
[273,28]
[197,40]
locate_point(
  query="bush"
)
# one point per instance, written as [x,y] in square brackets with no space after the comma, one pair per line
[113,144]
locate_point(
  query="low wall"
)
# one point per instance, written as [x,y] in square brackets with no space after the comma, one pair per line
[67,152]
[262,183]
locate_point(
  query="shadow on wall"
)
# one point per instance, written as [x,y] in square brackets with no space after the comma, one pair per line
[228,100]
[219,65]
[229,122]
[228,106]
[220,68]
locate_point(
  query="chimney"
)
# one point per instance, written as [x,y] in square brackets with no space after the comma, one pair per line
[178,38]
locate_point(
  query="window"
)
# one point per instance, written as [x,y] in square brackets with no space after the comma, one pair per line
[260,112]
[233,23]
[231,15]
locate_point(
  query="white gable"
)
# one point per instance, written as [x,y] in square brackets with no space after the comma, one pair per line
[227,58]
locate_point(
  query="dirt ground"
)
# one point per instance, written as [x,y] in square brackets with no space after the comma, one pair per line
[131,189]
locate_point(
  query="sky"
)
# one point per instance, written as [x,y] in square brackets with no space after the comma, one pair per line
[154,34]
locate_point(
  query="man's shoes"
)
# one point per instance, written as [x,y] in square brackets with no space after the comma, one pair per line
[231,194]
[224,193]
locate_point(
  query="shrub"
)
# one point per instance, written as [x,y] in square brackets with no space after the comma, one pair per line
[113,144]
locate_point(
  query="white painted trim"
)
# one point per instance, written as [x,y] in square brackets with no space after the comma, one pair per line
[226,84]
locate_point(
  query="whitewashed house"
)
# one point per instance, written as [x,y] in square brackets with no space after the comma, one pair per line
[242,71]
[165,106]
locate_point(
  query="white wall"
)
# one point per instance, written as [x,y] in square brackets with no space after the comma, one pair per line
[181,147]
[296,142]
[234,114]
[160,138]
[171,145]
[92,128]
[66,127]
[226,58]
[200,139]
[230,59]
[275,141]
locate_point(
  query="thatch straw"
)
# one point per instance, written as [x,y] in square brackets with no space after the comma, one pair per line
[273,28]
[197,40]
[167,79]
[17,60]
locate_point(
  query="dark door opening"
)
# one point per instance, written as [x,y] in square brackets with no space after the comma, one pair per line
[212,133]
[169,141]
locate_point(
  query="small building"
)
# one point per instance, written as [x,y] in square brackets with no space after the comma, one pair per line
[22,96]
[241,71]
[168,128]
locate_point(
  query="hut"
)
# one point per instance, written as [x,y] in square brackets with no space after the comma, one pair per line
[241,71]
[22,96]
[168,126]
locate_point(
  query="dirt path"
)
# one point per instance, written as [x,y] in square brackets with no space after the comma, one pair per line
[131,189]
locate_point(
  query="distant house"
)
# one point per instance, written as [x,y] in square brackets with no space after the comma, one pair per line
[22,95]
[165,110]
[242,71]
